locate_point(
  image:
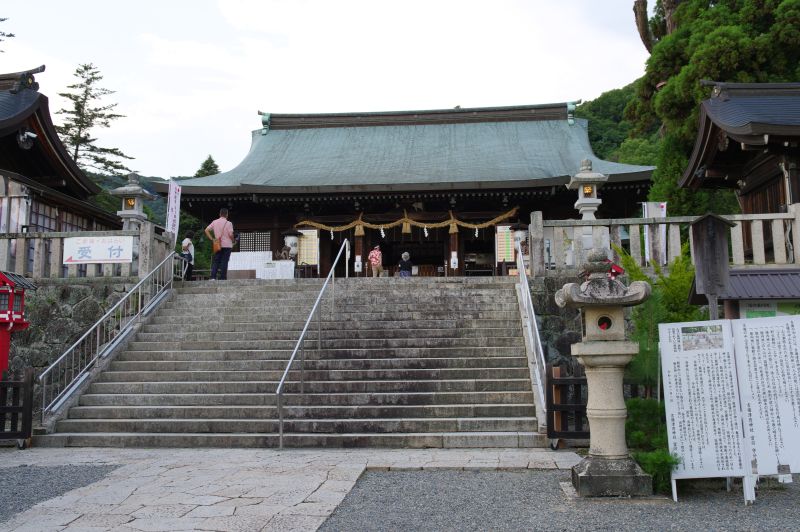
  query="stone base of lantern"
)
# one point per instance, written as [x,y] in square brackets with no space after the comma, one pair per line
[605,477]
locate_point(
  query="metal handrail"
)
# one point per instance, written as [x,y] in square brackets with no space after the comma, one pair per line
[300,346]
[532,332]
[64,375]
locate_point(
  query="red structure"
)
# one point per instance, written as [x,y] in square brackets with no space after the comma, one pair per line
[12,312]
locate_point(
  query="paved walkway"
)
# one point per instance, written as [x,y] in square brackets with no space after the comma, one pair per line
[233,489]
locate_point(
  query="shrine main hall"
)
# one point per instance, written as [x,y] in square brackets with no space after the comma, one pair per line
[438,184]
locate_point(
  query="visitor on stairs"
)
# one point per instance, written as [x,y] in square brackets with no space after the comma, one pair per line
[187,252]
[405,264]
[223,237]
[375,259]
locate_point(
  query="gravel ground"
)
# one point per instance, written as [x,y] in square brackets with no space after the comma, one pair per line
[534,500]
[23,487]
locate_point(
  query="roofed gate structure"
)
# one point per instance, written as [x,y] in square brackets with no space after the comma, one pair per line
[437,183]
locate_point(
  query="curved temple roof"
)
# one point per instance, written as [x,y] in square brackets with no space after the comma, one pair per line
[499,147]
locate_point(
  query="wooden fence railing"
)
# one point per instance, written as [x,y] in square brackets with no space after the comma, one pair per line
[40,255]
[16,409]
[755,239]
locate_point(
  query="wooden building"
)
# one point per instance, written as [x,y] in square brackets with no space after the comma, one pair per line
[43,190]
[437,184]
[748,141]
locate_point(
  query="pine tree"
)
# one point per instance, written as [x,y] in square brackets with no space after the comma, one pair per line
[86,115]
[4,35]
[209,167]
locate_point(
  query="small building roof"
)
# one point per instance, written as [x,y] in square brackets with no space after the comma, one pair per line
[496,147]
[17,281]
[755,284]
[752,115]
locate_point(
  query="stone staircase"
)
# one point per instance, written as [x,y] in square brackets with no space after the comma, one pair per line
[423,362]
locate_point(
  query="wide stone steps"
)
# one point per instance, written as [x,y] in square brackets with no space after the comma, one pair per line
[259,441]
[305,399]
[407,374]
[403,363]
[266,426]
[202,335]
[300,412]
[317,364]
[175,325]
[330,345]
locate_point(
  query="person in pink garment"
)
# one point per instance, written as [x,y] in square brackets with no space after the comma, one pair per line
[222,229]
[375,259]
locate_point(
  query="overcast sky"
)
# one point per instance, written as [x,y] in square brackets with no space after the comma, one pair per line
[191,75]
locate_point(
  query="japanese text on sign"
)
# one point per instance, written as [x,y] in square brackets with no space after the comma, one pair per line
[98,250]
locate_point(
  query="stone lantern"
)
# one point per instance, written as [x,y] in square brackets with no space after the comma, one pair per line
[608,470]
[587,183]
[133,196]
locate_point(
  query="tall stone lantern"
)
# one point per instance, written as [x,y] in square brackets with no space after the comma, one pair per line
[133,196]
[608,470]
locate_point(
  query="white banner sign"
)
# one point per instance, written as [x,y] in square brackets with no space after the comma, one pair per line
[173,209]
[732,397]
[98,250]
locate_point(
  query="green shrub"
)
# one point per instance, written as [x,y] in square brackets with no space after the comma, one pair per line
[646,434]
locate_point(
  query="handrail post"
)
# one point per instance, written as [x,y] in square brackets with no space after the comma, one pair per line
[302,365]
[280,419]
[319,329]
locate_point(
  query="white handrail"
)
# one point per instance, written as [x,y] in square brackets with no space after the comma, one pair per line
[64,375]
[531,330]
[300,345]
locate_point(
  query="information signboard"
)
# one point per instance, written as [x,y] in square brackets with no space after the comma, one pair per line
[504,244]
[732,398]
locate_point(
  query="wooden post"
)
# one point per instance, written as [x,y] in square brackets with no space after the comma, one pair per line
[38,258]
[358,251]
[536,230]
[56,261]
[794,210]
[21,259]
[147,233]
[5,244]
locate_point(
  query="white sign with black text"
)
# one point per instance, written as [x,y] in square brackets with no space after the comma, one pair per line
[98,249]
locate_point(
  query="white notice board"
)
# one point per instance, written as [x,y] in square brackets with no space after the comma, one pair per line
[768,357]
[732,397]
[701,399]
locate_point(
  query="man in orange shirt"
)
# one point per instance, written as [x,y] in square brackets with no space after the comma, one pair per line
[223,230]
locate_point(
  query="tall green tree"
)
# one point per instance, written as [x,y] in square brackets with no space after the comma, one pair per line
[5,35]
[86,115]
[721,40]
[209,167]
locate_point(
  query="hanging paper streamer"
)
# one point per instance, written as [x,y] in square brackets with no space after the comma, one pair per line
[426,232]
[383,235]
[476,232]
[331,235]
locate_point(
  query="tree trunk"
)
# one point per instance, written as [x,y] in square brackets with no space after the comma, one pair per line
[643,23]
[670,6]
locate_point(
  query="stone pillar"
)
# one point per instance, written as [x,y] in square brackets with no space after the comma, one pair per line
[536,239]
[608,470]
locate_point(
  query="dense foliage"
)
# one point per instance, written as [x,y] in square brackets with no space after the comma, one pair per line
[646,435]
[721,40]
[86,115]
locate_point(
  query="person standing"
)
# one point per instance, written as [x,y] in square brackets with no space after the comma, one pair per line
[375,259]
[187,252]
[223,232]
[405,264]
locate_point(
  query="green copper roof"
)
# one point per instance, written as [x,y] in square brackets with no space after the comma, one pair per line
[500,152]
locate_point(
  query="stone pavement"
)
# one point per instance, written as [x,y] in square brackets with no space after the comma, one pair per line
[233,489]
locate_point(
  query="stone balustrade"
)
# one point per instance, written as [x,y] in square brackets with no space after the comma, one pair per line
[40,255]
[756,239]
